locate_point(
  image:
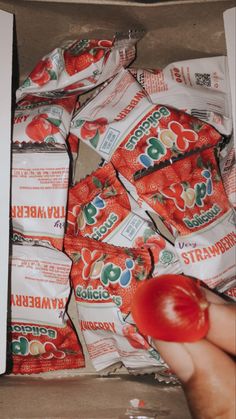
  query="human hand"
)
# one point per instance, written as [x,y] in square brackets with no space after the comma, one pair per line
[206,368]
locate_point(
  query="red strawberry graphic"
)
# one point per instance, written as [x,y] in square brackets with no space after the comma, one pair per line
[155,243]
[74,64]
[136,340]
[40,128]
[90,128]
[40,74]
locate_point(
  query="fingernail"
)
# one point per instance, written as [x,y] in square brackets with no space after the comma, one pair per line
[177,358]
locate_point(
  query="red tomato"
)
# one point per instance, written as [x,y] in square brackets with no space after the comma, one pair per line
[171,308]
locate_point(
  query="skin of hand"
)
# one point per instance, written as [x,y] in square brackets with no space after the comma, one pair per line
[207,368]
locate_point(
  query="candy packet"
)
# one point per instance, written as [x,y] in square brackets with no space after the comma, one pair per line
[80,65]
[99,207]
[40,335]
[227,164]
[73,150]
[190,195]
[39,193]
[231,293]
[43,120]
[104,278]
[199,87]
[135,134]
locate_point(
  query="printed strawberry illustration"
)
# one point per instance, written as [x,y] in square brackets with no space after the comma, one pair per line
[91,130]
[153,242]
[42,73]
[41,128]
[73,142]
[76,63]
[135,339]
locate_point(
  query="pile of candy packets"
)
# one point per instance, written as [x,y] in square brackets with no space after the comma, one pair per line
[165,141]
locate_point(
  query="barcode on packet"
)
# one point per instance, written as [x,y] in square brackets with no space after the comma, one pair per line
[203,79]
[201,114]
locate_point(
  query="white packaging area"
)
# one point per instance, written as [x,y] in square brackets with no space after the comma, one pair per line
[175,30]
[6,36]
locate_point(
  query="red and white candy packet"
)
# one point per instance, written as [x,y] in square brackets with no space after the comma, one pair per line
[43,120]
[199,87]
[99,207]
[135,134]
[104,279]
[79,66]
[228,171]
[40,177]
[140,137]
[190,195]
[41,337]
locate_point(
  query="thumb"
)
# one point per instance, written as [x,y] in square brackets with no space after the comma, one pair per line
[208,377]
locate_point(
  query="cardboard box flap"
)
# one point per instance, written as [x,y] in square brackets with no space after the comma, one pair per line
[6,39]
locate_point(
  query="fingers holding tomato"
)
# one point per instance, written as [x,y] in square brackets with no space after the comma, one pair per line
[171,308]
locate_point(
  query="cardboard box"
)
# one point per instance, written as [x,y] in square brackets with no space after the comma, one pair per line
[175,30]
[6,39]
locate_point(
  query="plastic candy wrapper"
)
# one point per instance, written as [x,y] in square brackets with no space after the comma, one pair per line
[104,278]
[39,194]
[228,171]
[190,195]
[99,207]
[199,87]
[73,149]
[43,120]
[231,293]
[40,335]
[79,66]
[135,134]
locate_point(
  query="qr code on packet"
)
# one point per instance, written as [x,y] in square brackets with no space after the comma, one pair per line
[203,79]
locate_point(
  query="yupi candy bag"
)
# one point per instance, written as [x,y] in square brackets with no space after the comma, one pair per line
[189,194]
[135,134]
[40,335]
[40,177]
[43,120]
[99,207]
[199,87]
[228,171]
[104,278]
[80,65]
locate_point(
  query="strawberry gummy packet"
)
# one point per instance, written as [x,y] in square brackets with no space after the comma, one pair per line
[104,279]
[43,120]
[133,133]
[79,66]
[199,87]
[39,193]
[41,337]
[228,171]
[99,207]
[189,194]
